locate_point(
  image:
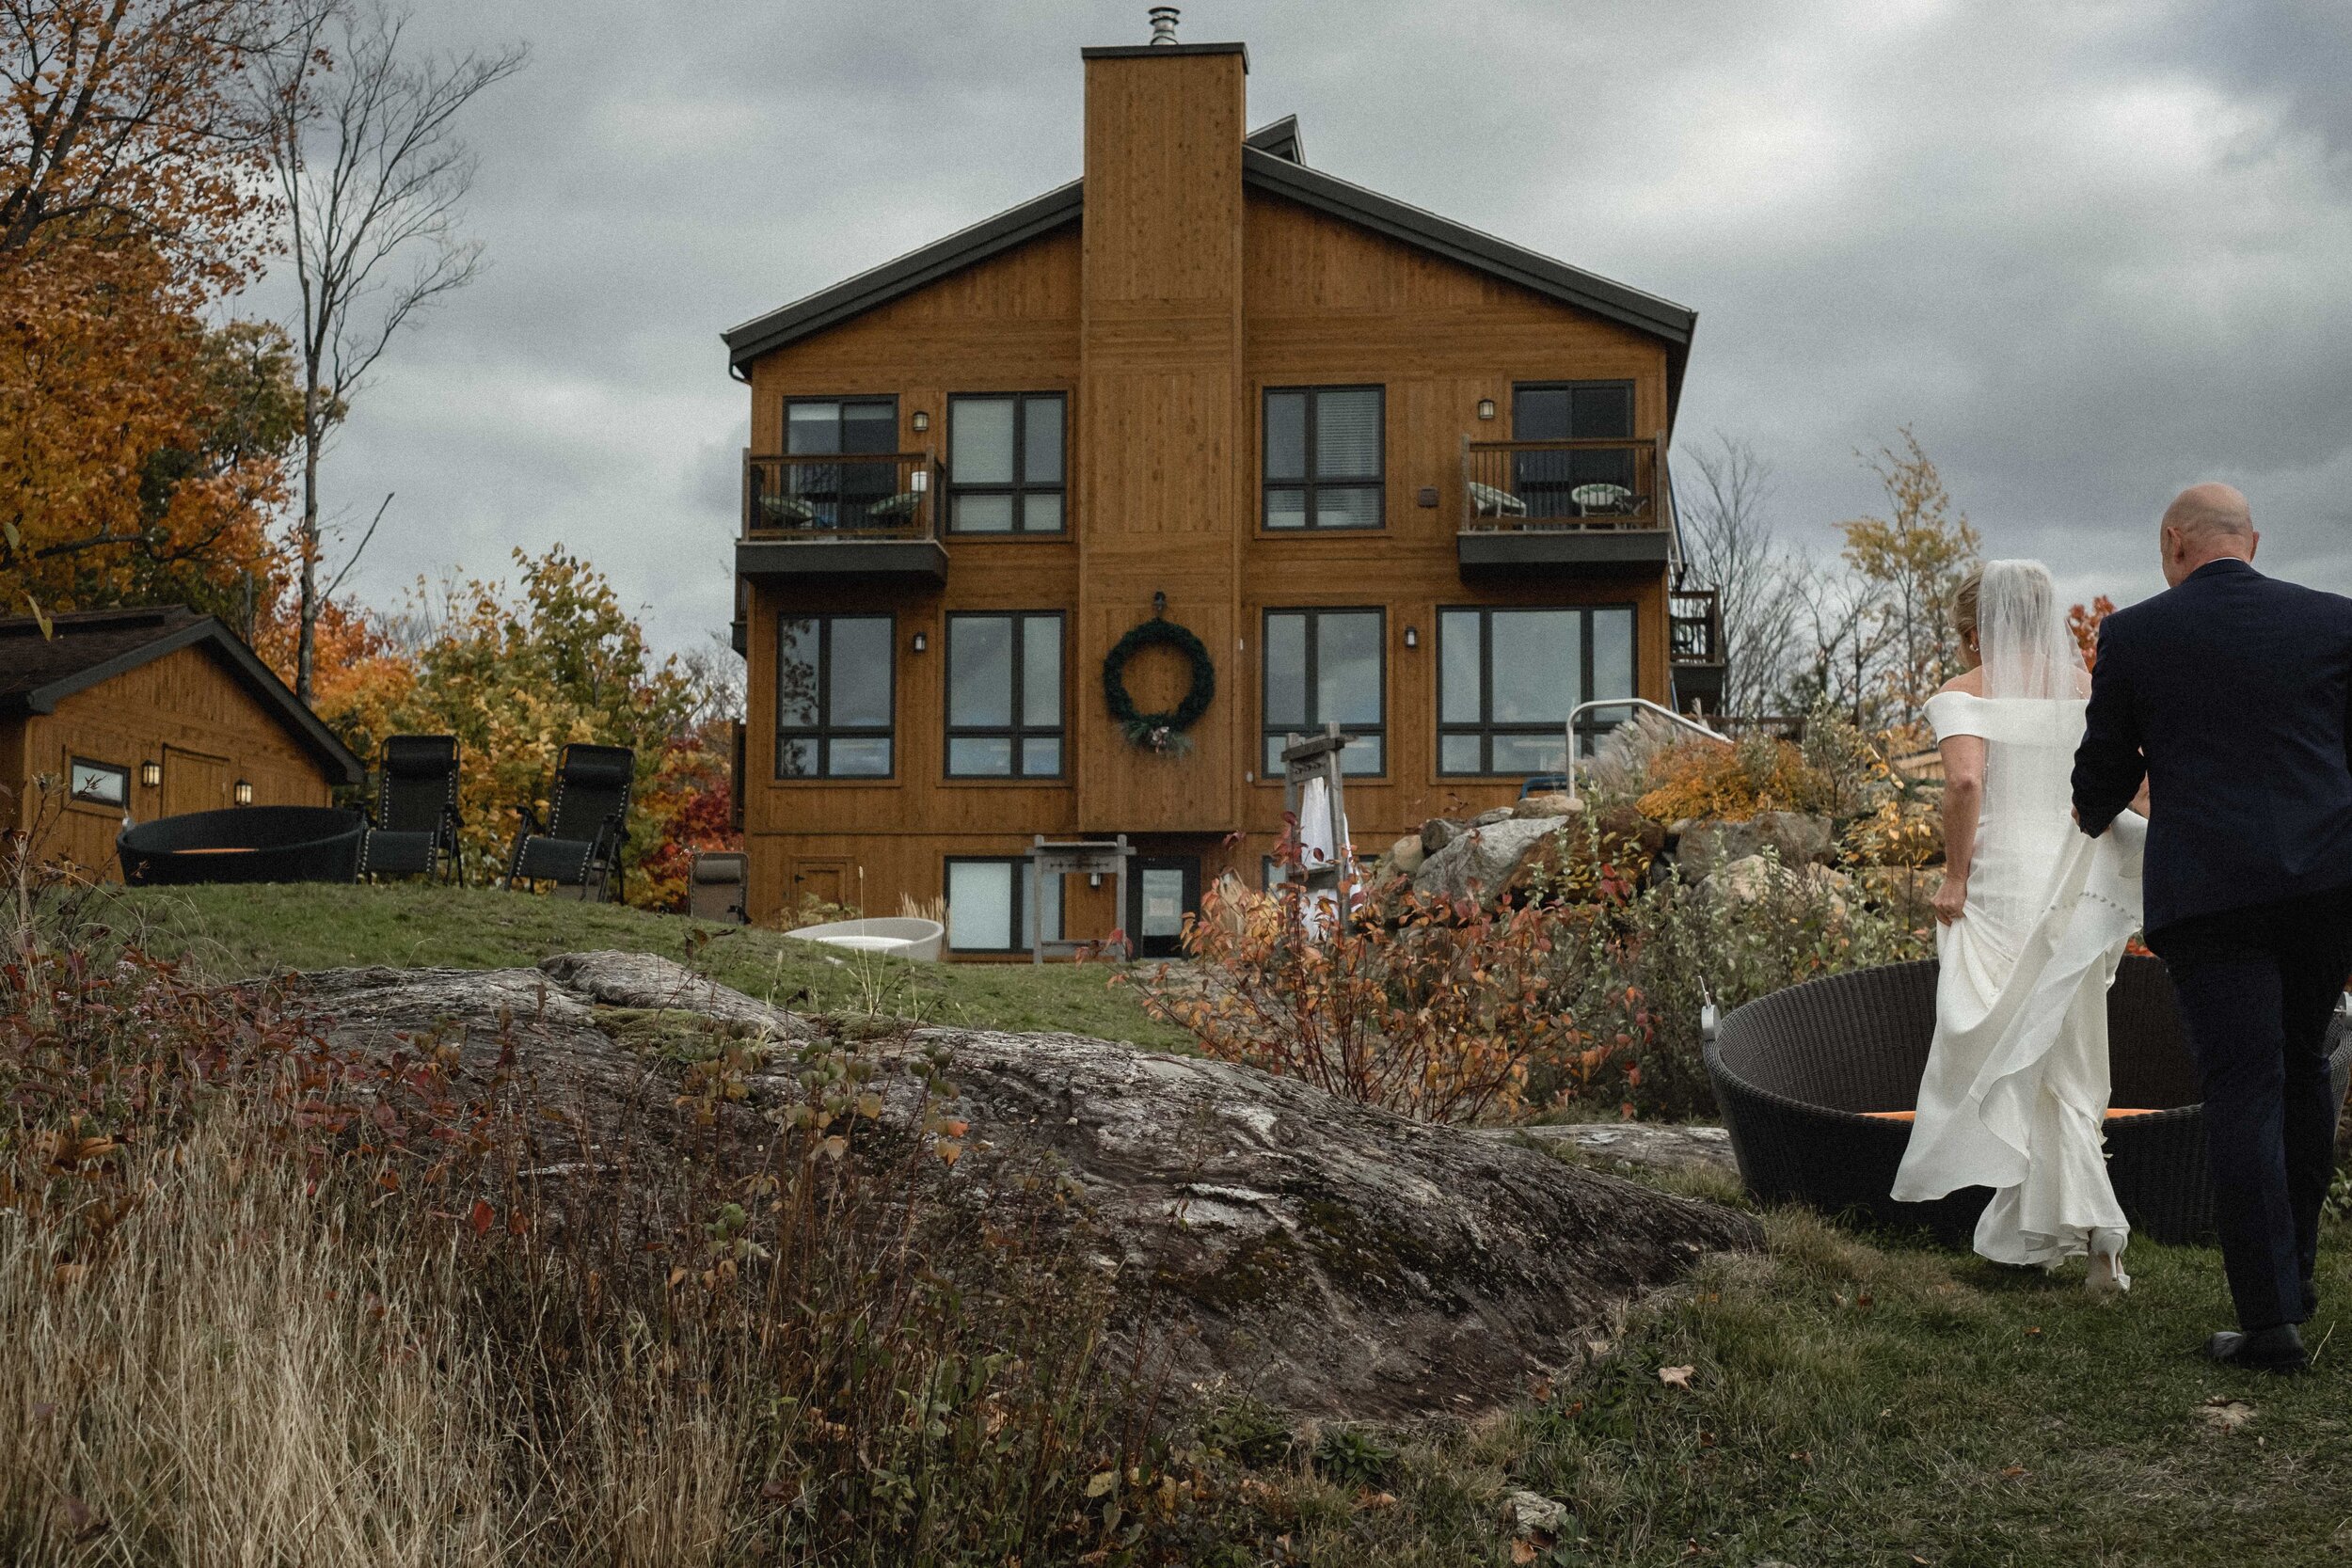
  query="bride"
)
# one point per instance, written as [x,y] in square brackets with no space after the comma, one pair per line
[2034,917]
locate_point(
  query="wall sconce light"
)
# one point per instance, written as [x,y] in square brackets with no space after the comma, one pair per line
[243,793]
[1094,878]
[922,642]
[1412,636]
[151,773]
[1159,605]
[1485,408]
[922,419]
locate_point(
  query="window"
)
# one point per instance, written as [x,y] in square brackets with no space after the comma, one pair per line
[1004,464]
[100,783]
[1323,665]
[833,693]
[1571,411]
[1323,457]
[1004,696]
[988,904]
[839,495]
[1508,680]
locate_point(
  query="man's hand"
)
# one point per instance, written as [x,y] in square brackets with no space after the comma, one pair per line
[1952,900]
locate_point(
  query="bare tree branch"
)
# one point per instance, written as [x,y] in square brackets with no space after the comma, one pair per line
[1728,541]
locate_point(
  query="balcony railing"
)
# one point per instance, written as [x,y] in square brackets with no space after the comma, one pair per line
[1512,486]
[890,495]
[1694,626]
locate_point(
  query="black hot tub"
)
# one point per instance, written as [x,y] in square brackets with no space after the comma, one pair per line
[244,844]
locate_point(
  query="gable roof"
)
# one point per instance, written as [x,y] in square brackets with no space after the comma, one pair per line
[88,648]
[1273,161]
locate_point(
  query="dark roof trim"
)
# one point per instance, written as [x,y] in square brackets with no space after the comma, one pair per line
[1145,51]
[1615,301]
[880,285]
[1281,139]
[259,678]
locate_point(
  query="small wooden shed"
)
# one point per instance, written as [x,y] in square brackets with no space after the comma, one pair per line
[136,714]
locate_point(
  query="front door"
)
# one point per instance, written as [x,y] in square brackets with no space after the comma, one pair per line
[820,882]
[1162,890]
[194,782]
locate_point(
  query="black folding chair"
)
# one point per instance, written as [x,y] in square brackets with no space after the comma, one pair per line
[414,833]
[580,846]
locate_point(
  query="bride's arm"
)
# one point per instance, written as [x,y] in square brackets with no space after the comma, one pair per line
[1964,795]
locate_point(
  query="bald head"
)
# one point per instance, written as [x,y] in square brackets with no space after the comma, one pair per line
[2206,523]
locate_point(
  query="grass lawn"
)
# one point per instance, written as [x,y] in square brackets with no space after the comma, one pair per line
[231,931]
[1848,1400]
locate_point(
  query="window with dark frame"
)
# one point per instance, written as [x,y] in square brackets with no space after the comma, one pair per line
[1570,411]
[1509,676]
[1321,665]
[1004,462]
[1323,457]
[988,904]
[840,495]
[98,784]
[1005,694]
[836,696]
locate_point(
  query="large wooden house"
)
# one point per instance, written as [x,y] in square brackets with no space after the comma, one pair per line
[1388,471]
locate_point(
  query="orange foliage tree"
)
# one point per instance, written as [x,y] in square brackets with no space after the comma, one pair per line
[140,453]
[2085,623]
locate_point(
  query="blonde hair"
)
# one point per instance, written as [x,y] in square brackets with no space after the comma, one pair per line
[1964,601]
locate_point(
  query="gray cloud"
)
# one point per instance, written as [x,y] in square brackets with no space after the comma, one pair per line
[2091,251]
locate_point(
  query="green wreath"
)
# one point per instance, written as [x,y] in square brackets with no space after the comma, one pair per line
[1158,732]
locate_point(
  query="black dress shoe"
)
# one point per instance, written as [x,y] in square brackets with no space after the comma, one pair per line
[2266,1350]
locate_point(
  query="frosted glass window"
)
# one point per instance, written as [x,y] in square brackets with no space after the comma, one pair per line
[980,896]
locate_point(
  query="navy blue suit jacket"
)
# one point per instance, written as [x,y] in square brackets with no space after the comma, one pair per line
[2230,694]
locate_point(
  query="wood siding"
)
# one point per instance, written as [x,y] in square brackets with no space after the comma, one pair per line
[1163,315]
[184,710]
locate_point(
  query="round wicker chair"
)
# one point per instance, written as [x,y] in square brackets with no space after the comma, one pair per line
[1795,1073]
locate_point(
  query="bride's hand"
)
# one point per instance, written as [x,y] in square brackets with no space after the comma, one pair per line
[1951,899]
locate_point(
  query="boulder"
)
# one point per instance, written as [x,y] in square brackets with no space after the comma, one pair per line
[1334,1259]
[1547,805]
[1746,881]
[1489,817]
[1436,834]
[1484,860]
[1798,838]
[1405,855]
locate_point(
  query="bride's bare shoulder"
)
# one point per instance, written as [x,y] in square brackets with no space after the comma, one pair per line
[1968,683]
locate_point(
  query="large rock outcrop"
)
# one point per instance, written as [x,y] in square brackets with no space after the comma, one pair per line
[1331,1259]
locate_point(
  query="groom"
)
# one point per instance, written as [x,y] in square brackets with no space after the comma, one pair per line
[2229,692]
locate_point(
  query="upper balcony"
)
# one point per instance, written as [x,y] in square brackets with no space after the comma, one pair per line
[1582,505]
[832,517]
[1695,641]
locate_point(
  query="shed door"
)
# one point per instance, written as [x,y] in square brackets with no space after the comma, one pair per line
[825,882]
[194,782]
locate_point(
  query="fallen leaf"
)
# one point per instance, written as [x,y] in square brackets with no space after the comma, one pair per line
[2012,1472]
[1676,1377]
[2033,1333]
[1101,1481]
[2226,1413]
[1522,1552]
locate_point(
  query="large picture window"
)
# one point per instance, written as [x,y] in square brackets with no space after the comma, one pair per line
[99,784]
[1323,665]
[1509,678]
[1004,696]
[838,495]
[1571,411]
[834,684]
[988,906]
[1323,457]
[1004,467]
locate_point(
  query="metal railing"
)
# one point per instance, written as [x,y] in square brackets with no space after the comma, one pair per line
[1694,626]
[883,495]
[1509,487]
[1644,705]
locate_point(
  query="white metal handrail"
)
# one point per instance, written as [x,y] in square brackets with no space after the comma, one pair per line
[1643,703]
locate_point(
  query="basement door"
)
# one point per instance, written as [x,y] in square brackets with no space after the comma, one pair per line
[194,782]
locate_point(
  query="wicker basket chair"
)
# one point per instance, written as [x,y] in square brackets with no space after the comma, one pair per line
[1795,1073]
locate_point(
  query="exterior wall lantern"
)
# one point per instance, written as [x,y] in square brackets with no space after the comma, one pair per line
[243,792]
[922,421]
[1412,636]
[151,774]
[1485,408]
[922,642]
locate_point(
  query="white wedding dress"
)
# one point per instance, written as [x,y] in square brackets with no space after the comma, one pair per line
[2015,1093]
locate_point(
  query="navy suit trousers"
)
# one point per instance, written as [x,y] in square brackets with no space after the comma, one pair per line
[2256,987]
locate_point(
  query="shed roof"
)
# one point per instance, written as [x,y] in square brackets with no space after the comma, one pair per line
[86,648]
[1273,161]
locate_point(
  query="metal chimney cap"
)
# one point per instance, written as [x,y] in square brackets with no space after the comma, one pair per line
[1164,23]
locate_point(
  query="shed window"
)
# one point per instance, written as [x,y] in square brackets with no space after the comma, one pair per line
[100,783]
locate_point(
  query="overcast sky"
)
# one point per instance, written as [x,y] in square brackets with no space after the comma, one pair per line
[2090,250]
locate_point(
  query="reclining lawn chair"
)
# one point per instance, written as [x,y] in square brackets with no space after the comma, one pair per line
[414,829]
[579,848]
[714,885]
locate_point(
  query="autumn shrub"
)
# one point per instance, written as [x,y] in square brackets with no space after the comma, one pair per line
[1436,1007]
[1733,783]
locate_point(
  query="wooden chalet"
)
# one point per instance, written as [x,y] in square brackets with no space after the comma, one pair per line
[136,714]
[1390,471]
